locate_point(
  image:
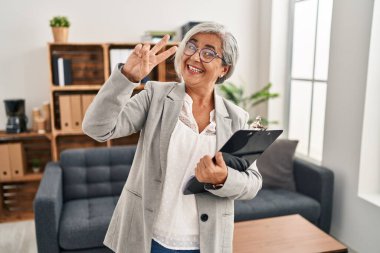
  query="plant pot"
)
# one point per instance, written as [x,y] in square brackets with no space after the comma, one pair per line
[36,169]
[60,34]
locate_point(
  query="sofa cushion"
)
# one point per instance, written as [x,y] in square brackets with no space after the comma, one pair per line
[98,172]
[93,181]
[277,202]
[84,222]
[276,164]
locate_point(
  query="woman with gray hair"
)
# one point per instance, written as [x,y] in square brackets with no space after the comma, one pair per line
[182,125]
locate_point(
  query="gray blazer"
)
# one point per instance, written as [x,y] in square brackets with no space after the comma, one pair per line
[154,111]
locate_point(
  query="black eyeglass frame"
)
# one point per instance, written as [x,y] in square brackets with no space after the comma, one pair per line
[200,50]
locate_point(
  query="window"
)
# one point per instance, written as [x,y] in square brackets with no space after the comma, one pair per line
[308,74]
[369,173]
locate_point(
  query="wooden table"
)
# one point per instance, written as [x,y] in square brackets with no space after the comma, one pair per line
[283,234]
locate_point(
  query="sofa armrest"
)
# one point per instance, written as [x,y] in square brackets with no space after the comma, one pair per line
[316,182]
[47,209]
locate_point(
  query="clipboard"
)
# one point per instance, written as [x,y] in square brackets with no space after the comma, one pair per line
[239,152]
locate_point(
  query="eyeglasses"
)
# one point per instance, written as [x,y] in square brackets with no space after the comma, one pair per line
[205,54]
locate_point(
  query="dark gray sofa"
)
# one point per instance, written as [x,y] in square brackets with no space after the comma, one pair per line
[78,194]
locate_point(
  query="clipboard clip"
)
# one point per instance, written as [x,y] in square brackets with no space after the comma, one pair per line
[257,125]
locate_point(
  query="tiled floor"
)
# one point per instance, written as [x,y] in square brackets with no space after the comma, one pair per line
[18,237]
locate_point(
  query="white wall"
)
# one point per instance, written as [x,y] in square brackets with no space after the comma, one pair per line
[25,32]
[263,47]
[279,64]
[369,175]
[273,62]
[355,221]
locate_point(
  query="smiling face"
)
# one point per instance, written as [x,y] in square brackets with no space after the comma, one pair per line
[200,74]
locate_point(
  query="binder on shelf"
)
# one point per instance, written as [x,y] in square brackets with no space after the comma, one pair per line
[65,112]
[62,71]
[76,111]
[86,101]
[17,159]
[55,69]
[1,200]
[5,164]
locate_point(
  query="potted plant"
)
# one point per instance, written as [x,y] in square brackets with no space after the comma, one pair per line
[237,95]
[36,165]
[60,27]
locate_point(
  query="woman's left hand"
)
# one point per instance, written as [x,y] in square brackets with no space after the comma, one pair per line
[209,172]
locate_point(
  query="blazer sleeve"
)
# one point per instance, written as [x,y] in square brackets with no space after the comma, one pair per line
[240,185]
[113,112]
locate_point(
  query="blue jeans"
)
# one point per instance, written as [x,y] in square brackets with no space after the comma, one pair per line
[158,248]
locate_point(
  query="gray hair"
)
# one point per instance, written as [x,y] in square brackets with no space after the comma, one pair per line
[230,49]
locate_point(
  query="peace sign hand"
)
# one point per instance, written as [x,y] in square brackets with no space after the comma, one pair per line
[143,59]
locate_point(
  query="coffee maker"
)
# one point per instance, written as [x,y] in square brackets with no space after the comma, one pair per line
[17,120]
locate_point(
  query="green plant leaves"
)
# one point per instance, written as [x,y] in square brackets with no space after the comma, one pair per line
[237,95]
[232,92]
[59,21]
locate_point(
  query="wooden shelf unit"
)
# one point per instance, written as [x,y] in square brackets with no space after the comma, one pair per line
[90,68]
[94,57]
[83,87]
[17,193]
[28,177]
[35,145]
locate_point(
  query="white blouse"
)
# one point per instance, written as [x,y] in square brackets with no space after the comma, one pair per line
[176,226]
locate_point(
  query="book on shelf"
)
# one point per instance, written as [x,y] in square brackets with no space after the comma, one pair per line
[186,27]
[118,55]
[156,36]
[62,72]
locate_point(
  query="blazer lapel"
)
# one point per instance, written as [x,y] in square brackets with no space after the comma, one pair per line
[172,107]
[223,122]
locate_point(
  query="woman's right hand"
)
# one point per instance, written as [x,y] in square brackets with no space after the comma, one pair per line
[143,59]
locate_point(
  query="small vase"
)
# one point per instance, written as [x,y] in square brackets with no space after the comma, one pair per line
[60,34]
[36,169]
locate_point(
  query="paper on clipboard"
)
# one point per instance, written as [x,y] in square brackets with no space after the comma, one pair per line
[239,152]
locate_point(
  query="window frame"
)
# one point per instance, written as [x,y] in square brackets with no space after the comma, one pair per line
[290,78]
